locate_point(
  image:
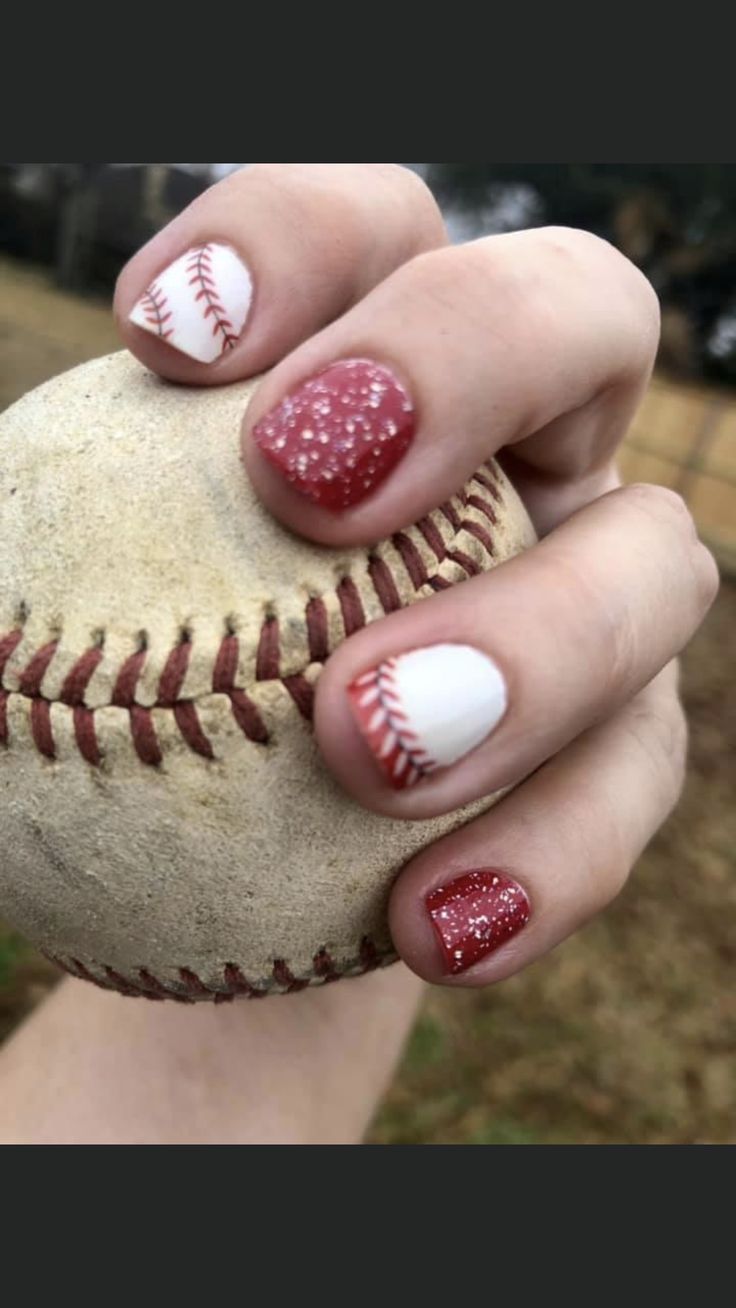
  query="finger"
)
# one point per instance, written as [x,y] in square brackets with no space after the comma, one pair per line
[494,896]
[263,260]
[471,690]
[546,337]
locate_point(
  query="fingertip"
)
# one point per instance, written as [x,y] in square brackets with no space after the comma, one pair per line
[458,928]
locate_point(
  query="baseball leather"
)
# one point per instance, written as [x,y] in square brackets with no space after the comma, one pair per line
[169,827]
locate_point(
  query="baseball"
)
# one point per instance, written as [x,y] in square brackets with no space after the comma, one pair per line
[170,829]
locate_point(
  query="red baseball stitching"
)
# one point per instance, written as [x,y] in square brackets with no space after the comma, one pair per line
[154,301]
[189,988]
[245,712]
[200,265]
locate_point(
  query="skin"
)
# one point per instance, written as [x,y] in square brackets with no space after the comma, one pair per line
[538,345]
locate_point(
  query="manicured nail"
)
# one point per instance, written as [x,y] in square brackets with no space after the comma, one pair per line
[198,304]
[339,434]
[476,914]
[426,709]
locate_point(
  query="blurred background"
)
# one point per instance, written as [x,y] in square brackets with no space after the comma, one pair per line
[627,1033]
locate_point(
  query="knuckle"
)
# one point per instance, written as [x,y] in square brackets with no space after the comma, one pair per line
[409,181]
[462,280]
[659,726]
[664,506]
[423,214]
[595,256]
[351,192]
[668,511]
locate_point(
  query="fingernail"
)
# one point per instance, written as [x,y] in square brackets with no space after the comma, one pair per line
[427,708]
[475,914]
[198,304]
[338,435]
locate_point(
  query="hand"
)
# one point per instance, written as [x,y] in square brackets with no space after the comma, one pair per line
[555,673]
[538,347]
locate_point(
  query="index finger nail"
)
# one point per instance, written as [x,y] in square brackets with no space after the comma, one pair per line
[199,303]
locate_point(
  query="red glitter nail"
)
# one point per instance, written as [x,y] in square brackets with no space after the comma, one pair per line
[475,914]
[340,433]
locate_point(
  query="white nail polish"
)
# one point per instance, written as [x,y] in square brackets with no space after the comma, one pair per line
[198,304]
[425,709]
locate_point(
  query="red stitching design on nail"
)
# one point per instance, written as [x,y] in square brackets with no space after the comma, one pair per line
[384,722]
[190,986]
[200,266]
[154,302]
[267,663]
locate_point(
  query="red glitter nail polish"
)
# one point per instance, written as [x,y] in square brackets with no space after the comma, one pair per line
[340,433]
[475,914]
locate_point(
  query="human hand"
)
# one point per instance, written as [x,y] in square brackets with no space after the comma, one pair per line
[553,673]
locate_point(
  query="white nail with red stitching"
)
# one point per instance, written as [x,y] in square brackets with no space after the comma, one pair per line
[199,304]
[427,708]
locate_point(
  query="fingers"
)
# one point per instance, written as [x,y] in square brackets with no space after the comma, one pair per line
[263,260]
[471,690]
[542,340]
[494,896]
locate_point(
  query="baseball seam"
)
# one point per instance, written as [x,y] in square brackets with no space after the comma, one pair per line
[246,714]
[189,987]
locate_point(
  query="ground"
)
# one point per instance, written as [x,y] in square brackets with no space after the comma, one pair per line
[626,1033]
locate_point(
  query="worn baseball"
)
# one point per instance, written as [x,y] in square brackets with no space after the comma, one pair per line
[169,827]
